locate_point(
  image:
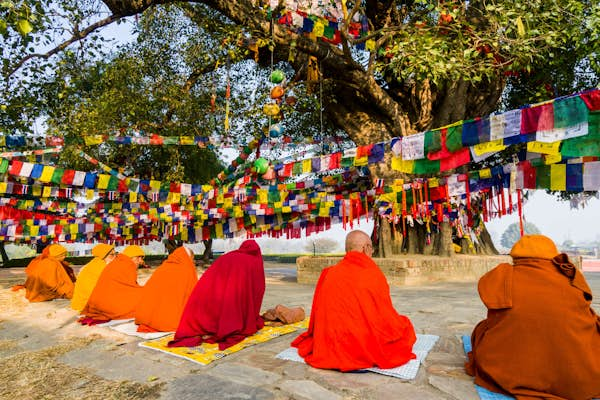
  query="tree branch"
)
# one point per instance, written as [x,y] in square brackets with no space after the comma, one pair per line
[79,35]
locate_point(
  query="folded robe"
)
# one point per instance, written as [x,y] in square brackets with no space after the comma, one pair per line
[224,306]
[353,324]
[117,292]
[166,293]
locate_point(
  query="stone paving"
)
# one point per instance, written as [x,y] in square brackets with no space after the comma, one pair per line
[447,310]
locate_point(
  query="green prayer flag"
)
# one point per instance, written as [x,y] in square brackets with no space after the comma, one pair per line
[454,138]
[4,166]
[433,141]
[425,166]
[570,111]
[57,176]
[542,177]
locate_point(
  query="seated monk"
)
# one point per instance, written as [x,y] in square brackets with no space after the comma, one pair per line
[89,274]
[224,306]
[166,293]
[48,276]
[541,337]
[353,324]
[117,293]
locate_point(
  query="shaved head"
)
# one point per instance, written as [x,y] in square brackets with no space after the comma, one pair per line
[357,240]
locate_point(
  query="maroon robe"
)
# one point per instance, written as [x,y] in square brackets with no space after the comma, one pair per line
[224,306]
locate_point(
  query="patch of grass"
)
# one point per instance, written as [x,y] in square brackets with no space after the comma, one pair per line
[38,375]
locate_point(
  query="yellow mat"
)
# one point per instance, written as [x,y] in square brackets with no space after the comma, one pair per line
[209,352]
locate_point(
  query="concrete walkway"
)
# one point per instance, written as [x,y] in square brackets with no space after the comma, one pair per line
[100,356]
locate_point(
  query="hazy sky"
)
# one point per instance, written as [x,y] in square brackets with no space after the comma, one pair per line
[555,219]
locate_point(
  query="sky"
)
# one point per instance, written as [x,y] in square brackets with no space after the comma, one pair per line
[555,219]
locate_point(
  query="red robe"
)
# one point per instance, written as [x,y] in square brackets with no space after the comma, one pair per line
[224,307]
[165,294]
[353,324]
[117,292]
[541,338]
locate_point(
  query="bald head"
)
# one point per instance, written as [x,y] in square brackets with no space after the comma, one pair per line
[358,241]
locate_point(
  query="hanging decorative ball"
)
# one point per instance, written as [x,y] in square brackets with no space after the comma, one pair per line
[276,130]
[291,101]
[271,109]
[261,165]
[277,92]
[277,76]
[270,174]
[243,156]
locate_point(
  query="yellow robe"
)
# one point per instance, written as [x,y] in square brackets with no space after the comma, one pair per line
[86,282]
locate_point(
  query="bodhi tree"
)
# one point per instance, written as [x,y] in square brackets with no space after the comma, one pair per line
[429,63]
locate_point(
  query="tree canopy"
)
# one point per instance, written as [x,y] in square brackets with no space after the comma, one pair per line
[513,233]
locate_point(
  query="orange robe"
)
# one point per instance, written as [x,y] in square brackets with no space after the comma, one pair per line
[541,338]
[353,324]
[117,292]
[48,279]
[165,294]
[86,282]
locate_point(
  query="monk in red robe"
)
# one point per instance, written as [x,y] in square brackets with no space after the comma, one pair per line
[224,307]
[48,276]
[117,293]
[353,324]
[166,293]
[541,337]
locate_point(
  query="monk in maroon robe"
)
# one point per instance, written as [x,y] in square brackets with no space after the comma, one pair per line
[541,337]
[224,306]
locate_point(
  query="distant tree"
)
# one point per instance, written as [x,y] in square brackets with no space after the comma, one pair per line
[321,245]
[512,234]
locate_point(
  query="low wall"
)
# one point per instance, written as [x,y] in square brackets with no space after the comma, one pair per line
[411,270]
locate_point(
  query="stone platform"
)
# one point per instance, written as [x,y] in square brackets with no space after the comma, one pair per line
[413,269]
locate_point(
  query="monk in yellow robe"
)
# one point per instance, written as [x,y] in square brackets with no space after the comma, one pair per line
[541,337]
[89,274]
[166,293]
[117,293]
[48,276]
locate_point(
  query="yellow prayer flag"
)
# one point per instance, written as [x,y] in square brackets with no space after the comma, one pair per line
[485,173]
[361,161]
[103,180]
[47,173]
[3,186]
[544,148]
[552,158]
[47,191]
[132,197]
[155,185]
[433,182]
[370,45]
[406,166]
[318,29]
[306,166]
[262,196]
[323,211]
[34,231]
[219,231]
[89,194]
[489,147]
[558,177]
[93,140]
[176,198]
[186,140]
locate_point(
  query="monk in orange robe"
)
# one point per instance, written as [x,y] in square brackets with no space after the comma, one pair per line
[541,337]
[89,274]
[167,291]
[353,324]
[48,276]
[117,293]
